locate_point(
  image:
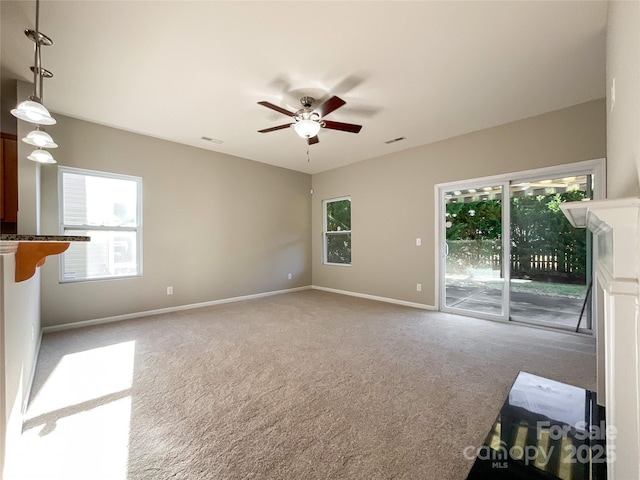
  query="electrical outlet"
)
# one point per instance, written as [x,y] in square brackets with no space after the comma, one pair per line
[418,242]
[33,332]
[169,290]
[418,287]
[289,276]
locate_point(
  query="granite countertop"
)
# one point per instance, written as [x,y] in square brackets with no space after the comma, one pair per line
[11,237]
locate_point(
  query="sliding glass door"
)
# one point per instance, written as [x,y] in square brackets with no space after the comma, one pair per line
[507,251]
[474,270]
[550,261]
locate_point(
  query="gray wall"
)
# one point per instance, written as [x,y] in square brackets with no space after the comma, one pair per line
[8,100]
[20,320]
[214,226]
[623,116]
[393,196]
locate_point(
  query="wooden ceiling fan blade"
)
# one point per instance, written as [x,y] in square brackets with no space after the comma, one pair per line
[343,127]
[313,140]
[329,106]
[276,108]
[273,129]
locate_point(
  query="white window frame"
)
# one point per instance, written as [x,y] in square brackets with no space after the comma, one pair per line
[138,228]
[325,233]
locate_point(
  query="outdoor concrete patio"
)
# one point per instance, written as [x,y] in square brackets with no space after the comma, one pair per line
[549,310]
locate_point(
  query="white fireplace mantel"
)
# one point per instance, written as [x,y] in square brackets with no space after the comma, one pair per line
[615,223]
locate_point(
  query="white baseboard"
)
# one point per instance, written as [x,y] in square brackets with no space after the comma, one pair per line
[422,306]
[158,311]
[147,313]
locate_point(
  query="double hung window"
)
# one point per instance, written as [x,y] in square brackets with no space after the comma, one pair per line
[107,207]
[337,231]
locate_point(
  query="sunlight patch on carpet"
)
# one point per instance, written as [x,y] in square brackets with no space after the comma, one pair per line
[73,381]
[87,392]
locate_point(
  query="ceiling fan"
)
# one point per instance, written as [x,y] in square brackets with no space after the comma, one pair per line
[308,121]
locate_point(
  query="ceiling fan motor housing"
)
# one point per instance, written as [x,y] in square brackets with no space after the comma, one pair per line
[307,101]
[306,112]
[308,121]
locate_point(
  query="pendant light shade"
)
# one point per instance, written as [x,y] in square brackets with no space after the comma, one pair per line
[41,156]
[39,138]
[33,112]
[307,128]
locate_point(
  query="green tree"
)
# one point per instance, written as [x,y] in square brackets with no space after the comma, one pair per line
[475,220]
[539,230]
[339,215]
[338,220]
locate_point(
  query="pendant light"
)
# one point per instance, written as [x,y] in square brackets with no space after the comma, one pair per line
[32,110]
[39,138]
[41,156]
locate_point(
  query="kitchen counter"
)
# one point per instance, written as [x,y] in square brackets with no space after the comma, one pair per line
[32,250]
[11,237]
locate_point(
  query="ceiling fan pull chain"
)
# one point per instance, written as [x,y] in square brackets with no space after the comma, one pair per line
[308,157]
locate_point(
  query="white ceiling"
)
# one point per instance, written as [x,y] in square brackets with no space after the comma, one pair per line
[425,70]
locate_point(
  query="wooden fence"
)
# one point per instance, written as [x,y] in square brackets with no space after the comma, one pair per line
[472,254]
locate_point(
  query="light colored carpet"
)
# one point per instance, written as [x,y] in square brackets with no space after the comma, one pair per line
[303,385]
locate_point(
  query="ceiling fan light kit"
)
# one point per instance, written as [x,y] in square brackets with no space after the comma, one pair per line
[307,128]
[32,110]
[308,121]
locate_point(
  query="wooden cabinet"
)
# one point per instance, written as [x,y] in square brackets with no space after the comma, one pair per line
[8,182]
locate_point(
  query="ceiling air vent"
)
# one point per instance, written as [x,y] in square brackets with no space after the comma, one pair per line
[209,139]
[399,139]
